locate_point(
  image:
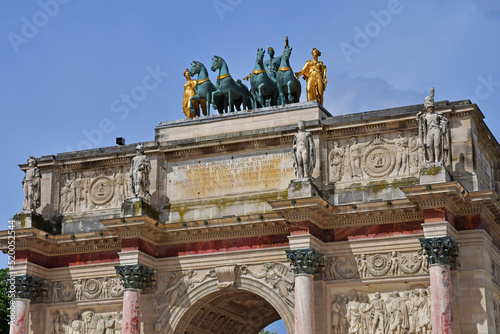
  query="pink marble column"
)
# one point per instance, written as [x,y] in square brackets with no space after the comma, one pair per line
[304,304]
[441,299]
[305,263]
[21,313]
[133,278]
[24,286]
[131,317]
[441,251]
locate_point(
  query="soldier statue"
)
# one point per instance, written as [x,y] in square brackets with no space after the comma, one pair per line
[433,133]
[139,173]
[304,152]
[31,186]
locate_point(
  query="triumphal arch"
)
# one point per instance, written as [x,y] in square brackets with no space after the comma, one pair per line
[378,222]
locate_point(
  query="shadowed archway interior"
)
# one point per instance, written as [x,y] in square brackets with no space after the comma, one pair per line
[232,312]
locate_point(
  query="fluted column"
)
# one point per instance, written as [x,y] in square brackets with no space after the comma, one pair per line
[441,252]
[20,310]
[305,263]
[133,278]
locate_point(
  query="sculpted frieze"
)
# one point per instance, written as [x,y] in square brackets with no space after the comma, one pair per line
[398,312]
[86,289]
[90,190]
[376,157]
[375,265]
[86,321]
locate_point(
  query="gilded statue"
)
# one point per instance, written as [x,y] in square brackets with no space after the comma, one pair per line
[189,91]
[314,72]
[31,186]
[433,133]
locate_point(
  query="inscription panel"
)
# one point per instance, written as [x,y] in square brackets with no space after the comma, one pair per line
[230,177]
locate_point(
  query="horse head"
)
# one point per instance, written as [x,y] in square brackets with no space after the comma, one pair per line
[260,54]
[287,52]
[195,68]
[216,63]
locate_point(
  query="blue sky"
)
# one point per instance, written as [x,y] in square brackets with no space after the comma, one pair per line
[68,66]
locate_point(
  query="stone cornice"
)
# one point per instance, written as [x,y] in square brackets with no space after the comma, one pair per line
[50,245]
[324,215]
[487,203]
[450,195]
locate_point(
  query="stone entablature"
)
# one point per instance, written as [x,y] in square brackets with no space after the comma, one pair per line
[364,157]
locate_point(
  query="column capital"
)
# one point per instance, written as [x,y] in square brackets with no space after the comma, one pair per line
[25,286]
[133,276]
[304,261]
[441,250]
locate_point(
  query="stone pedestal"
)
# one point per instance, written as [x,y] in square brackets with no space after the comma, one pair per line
[30,219]
[434,174]
[133,278]
[21,314]
[441,251]
[300,188]
[305,263]
[137,207]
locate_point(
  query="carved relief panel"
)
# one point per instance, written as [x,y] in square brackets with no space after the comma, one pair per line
[374,157]
[88,289]
[86,321]
[358,312]
[90,190]
[375,265]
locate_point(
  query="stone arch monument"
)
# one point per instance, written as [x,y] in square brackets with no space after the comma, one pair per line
[342,224]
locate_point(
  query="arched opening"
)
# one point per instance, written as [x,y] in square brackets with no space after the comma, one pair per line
[227,312]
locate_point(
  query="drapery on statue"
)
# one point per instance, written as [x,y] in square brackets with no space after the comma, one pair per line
[139,173]
[189,91]
[314,72]
[304,153]
[433,133]
[31,186]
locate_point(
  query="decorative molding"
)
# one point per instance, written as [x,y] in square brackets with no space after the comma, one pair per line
[133,276]
[304,261]
[441,250]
